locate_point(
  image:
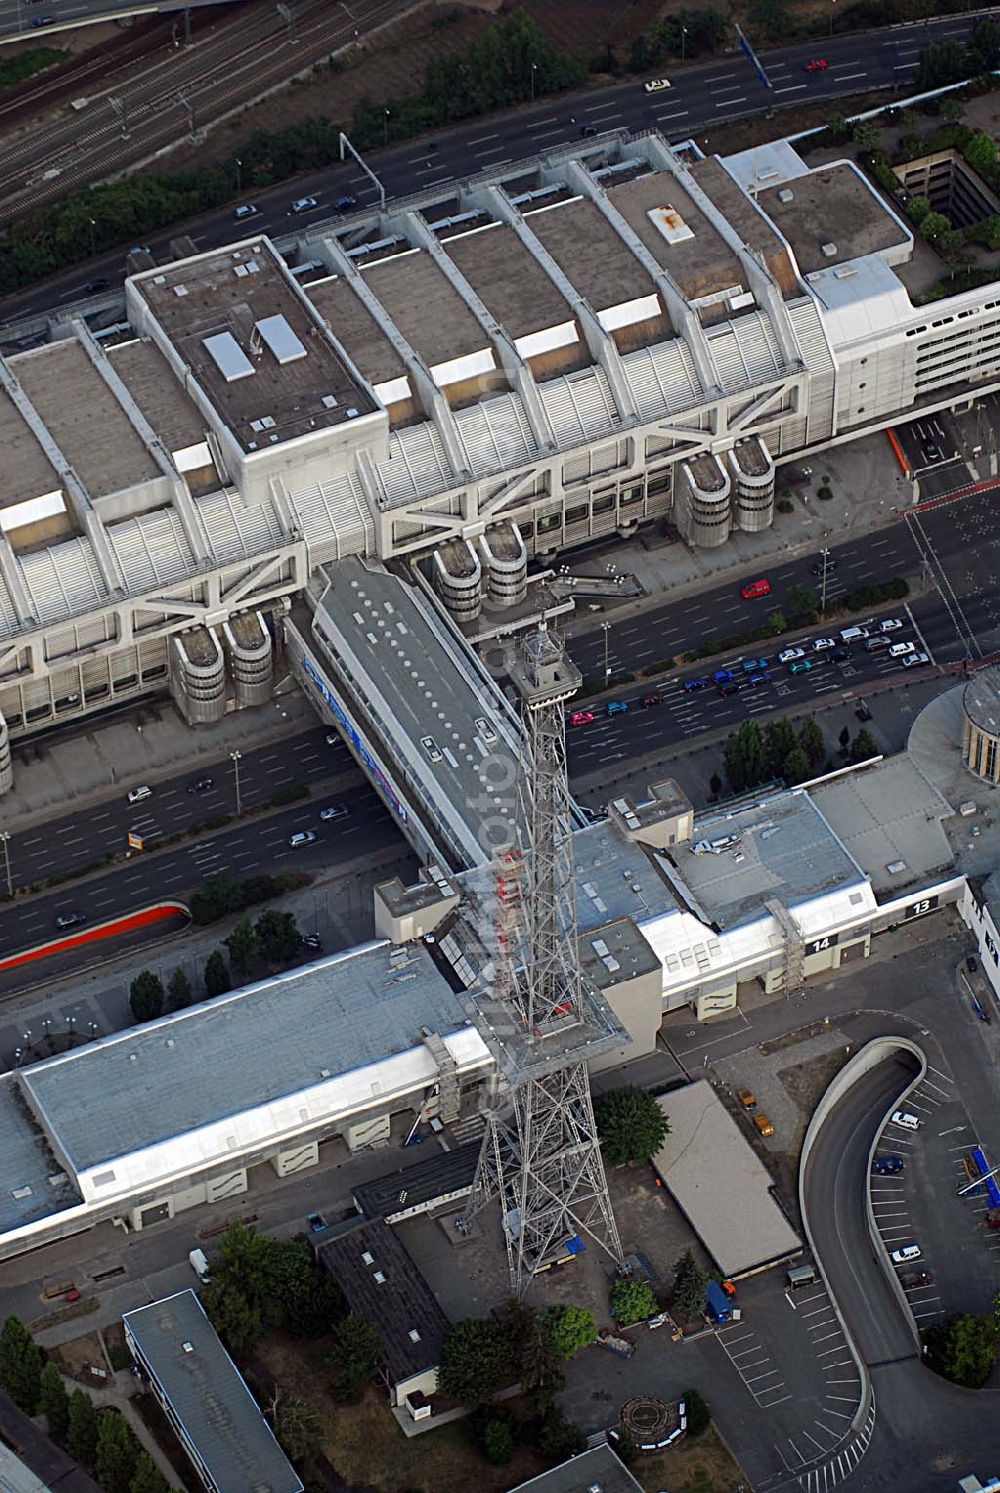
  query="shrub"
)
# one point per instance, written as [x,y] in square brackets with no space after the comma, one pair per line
[785,505]
[699,1417]
[631,1301]
[293,794]
[824,493]
[630,1123]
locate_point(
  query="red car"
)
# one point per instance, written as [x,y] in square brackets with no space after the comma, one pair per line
[755,589]
[581,717]
[817,65]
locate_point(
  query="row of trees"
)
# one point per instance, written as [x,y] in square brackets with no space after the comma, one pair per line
[952,62]
[99,1440]
[753,756]
[221,896]
[274,939]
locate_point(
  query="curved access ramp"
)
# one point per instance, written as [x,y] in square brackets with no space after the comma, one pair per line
[94,943]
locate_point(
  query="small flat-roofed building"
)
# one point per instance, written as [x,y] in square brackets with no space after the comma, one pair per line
[724,1191]
[431,1184]
[205,1398]
[598,1468]
[381,1283]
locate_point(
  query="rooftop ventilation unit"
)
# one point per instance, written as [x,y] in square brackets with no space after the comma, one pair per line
[786,195]
[368,1258]
[414,1335]
[180,290]
[188,1347]
[380,1277]
[829,251]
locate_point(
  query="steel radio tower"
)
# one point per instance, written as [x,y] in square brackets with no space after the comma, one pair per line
[542,1159]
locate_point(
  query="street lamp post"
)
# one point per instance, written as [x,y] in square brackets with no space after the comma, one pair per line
[684,34]
[5,837]
[825,557]
[832,4]
[534,69]
[93,225]
[239,180]
[235,756]
[385,126]
[606,629]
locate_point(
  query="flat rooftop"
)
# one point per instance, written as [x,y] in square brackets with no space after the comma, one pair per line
[745,219]
[273,1044]
[417,683]
[253,343]
[353,325]
[889,813]
[695,253]
[440,1176]
[833,207]
[426,308]
[786,851]
[592,255]
[381,1283]
[171,412]
[509,280]
[597,1468]
[25,471]
[209,1398]
[720,1184]
[84,418]
[616,952]
[27,1165]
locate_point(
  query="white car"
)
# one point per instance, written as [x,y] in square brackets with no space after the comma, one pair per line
[335,811]
[302,205]
[905,1255]
[484,730]
[788,655]
[899,650]
[820,645]
[656,85]
[431,747]
[890,624]
[905,1120]
[914,659]
[136,795]
[302,837]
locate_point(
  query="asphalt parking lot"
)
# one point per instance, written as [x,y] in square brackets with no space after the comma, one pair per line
[934,447]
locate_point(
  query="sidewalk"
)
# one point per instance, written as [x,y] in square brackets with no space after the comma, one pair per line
[146,743]
[870,493]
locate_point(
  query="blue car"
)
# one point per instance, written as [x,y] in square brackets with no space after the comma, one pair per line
[616,707]
[753,665]
[887,1166]
[762,678]
[691,685]
[722,676]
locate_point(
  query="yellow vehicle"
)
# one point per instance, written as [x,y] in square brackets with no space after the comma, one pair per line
[748,1100]
[763,1125]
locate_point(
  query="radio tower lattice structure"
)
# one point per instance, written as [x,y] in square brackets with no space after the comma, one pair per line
[543,1159]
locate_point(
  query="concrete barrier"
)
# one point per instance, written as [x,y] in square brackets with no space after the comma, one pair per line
[145,917]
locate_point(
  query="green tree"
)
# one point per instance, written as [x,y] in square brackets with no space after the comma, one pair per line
[699,1417]
[952,109]
[839,129]
[497,1441]
[298,1428]
[535,1359]
[812,741]
[862,747]
[967,1356]
[145,996]
[689,1287]
[866,136]
[572,1328]
[217,980]
[743,756]
[796,767]
[242,946]
[770,18]
[355,1357]
[279,937]
[631,1301]
[115,1462]
[558,1437]
[147,1477]
[909,142]
[845,740]
[234,1315]
[918,208]
[476,1361]
[178,991]
[802,600]
[81,1437]
[953,249]
[934,225]
[779,741]
[631,1125]
[981,153]
[715,785]
[984,46]
[53,1401]
[20,1365]
[776,624]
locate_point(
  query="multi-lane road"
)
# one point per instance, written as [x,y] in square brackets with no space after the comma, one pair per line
[252,846]
[701,97]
